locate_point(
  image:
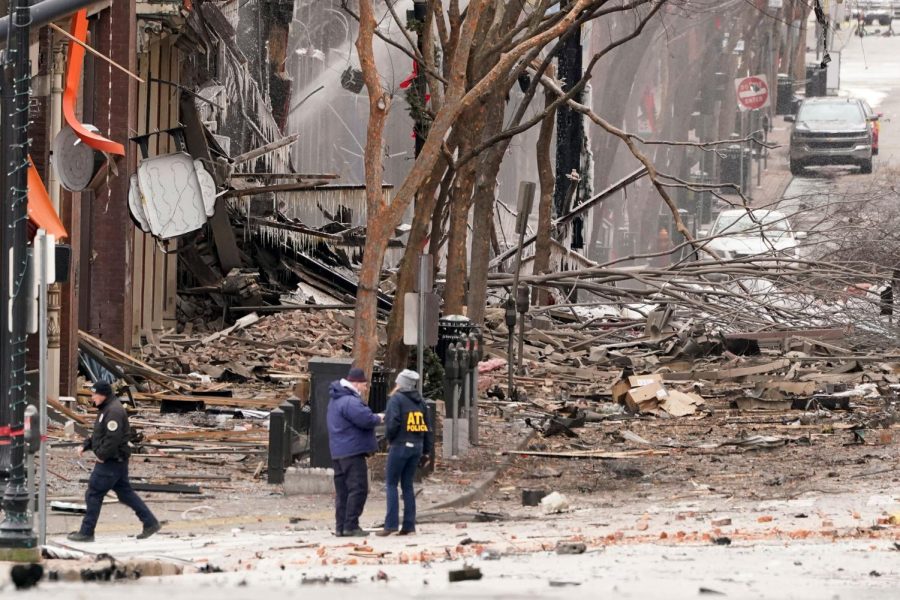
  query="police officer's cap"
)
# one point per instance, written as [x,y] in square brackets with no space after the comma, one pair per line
[102,388]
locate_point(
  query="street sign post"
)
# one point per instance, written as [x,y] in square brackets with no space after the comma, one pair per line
[752,92]
[420,314]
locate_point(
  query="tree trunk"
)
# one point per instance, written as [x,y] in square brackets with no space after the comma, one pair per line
[365,323]
[545,205]
[378,225]
[460,98]
[457,242]
[437,219]
[397,351]
[483,222]
[483,218]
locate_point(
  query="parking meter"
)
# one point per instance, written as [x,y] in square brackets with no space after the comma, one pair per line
[32,429]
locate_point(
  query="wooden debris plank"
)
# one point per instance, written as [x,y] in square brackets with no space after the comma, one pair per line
[112,352]
[830,333]
[167,478]
[168,488]
[262,404]
[822,344]
[729,373]
[62,408]
[589,454]
[208,435]
[540,336]
[113,366]
[284,176]
[823,378]
[244,321]
[278,187]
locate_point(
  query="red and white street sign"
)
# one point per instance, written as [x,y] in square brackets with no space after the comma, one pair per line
[752,92]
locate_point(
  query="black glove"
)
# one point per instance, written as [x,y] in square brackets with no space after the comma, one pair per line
[425,461]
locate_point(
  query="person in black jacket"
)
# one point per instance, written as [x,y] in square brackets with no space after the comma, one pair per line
[109,443]
[410,441]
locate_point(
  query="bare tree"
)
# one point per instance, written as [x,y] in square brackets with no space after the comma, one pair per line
[458,97]
[545,204]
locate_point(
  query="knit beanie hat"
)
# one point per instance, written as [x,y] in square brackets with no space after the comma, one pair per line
[407,380]
[357,375]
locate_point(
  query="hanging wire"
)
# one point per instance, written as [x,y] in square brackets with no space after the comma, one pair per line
[109,95]
[822,19]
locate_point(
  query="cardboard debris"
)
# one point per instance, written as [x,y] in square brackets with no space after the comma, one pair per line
[679,404]
[619,389]
[642,380]
[645,399]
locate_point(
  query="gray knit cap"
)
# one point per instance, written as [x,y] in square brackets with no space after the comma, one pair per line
[407,380]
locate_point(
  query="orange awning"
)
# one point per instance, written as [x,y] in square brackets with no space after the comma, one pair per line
[40,208]
[73,82]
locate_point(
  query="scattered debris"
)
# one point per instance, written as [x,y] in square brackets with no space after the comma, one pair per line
[467,573]
[25,577]
[554,503]
[533,497]
[323,579]
[722,541]
[68,507]
[571,548]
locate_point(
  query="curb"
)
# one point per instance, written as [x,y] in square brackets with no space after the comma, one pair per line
[479,488]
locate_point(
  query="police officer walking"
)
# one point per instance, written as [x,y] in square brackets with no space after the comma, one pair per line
[109,442]
[410,441]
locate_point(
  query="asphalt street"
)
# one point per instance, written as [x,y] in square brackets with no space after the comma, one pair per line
[870,69]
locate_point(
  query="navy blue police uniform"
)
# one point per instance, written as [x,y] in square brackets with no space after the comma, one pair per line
[410,438]
[109,443]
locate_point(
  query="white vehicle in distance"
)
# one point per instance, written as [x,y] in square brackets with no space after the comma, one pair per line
[743,233]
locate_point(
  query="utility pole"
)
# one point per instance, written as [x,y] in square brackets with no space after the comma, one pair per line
[17,539]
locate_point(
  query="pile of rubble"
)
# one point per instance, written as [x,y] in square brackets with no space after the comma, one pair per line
[273,348]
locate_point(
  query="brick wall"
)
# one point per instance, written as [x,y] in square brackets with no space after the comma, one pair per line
[107,264]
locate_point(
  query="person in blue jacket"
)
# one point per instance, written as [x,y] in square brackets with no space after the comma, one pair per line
[351,439]
[410,440]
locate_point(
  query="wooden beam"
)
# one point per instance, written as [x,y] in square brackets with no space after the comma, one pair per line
[263,150]
[279,187]
[831,333]
[99,55]
[285,176]
[189,436]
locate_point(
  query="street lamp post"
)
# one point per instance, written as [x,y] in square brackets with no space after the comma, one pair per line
[6,107]
[17,539]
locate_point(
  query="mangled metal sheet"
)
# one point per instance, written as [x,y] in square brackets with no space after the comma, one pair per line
[171,195]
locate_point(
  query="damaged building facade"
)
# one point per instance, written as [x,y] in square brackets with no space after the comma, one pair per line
[260,107]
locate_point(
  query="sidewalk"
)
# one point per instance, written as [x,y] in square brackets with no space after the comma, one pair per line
[776,176]
[813,545]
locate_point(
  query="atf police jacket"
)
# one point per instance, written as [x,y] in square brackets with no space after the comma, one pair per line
[110,438]
[405,421]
